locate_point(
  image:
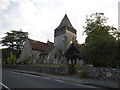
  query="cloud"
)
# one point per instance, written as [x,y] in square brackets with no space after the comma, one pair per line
[41,17]
[4,4]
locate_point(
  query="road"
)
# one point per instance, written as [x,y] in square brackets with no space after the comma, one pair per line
[12,79]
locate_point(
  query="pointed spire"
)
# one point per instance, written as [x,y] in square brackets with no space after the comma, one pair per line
[65,22]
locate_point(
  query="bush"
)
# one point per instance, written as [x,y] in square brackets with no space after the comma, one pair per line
[28,60]
[12,60]
[50,64]
[71,68]
[84,74]
[78,68]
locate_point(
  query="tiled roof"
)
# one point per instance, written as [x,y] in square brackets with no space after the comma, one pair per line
[76,44]
[74,51]
[37,45]
[47,51]
[50,43]
[65,22]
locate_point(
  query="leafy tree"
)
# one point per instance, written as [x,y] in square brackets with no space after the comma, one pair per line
[12,59]
[100,45]
[97,21]
[118,49]
[5,54]
[14,39]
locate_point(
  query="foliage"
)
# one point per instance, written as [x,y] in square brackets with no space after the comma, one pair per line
[84,74]
[7,52]
[118,53]
[78,68]
[14,39]
[71,68]
[51,64]
[12,59]
[28,59]
[100,46]
[97,21]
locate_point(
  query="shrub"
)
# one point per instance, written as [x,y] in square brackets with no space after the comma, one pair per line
[77,67]
[28,59]
[71,68]
[12,59]
[50,64]
[84,74]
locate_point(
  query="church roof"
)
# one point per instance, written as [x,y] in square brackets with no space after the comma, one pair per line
[74,51]
[77,45]
[65,22]
[47,51]
[37,45]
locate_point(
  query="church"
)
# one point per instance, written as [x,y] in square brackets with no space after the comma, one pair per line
[64,50]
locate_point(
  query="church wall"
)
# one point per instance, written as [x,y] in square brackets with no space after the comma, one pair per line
[27,50]
[70,37]
[59,41]
[51,55]
[36,54]
[63,41]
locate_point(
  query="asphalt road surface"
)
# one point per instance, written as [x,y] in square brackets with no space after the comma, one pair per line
[12,79]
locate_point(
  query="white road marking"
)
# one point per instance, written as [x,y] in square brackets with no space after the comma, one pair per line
[55,80]
[4,86]
[59,80]
[26,74]
[31,75]
[16,72]
[45,77]
[84,85]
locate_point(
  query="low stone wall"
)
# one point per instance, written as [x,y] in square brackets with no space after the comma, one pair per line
[109,74]
[52,69]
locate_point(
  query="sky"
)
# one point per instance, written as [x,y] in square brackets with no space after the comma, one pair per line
[41,17]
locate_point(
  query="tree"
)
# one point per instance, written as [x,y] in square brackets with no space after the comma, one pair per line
[100,45]
[12,60]
[118,49]
[14,39]
[97,21]
[5,54]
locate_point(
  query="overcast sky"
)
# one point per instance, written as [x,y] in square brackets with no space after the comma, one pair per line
[40,17]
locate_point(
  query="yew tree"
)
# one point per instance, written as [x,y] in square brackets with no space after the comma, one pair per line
[14,41]
[100,45]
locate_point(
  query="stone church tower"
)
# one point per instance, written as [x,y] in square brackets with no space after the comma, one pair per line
[64,34]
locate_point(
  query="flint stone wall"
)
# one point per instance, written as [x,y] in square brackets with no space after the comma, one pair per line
[52,69]
[109,74]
